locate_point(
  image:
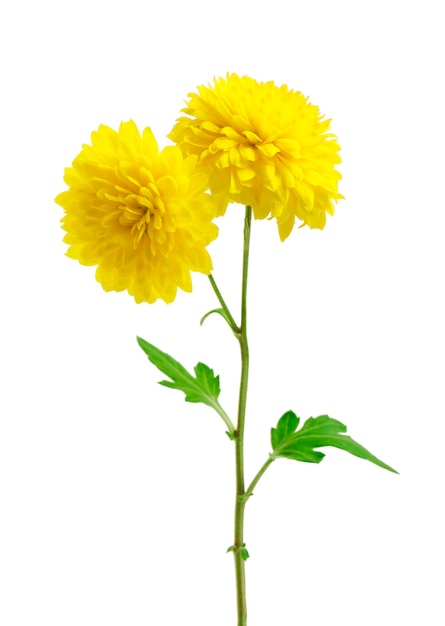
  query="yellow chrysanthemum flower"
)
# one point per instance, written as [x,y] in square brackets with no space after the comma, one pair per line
[262,145]
[142,216]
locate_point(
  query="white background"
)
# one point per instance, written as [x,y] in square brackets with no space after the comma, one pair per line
[116,496]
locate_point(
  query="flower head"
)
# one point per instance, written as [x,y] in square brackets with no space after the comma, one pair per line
[262,145]
[141,215]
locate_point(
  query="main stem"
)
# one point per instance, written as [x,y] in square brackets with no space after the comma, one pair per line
[240,501]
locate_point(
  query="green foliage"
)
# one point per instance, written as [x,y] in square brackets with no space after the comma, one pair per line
[244,554]
[204,387]
[316,432]
[287,424]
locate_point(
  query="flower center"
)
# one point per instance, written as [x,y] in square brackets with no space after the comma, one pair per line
[146,214]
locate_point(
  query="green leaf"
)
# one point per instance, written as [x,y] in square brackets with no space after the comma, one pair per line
[219,312]
[244,553]
[287,424]
[202,388]
[316,432]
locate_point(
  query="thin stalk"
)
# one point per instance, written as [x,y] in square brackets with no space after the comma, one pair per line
[254,482]
[240,333]
[221,300]
[227,421]
[240,501]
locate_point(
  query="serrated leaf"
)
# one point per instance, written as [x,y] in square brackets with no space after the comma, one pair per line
[207,379]
[287,424]
[318,432]
[202,388]
[306,455]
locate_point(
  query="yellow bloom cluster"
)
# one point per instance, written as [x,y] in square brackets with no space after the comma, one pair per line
[262,145]
[141,215]
[144,216]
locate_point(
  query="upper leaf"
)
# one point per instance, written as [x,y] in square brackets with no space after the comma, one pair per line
[204,388]
[316,432]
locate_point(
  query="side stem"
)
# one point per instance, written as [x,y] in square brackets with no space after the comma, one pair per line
[223,304]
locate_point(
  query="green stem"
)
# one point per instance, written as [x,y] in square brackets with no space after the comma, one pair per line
[253,484]
[240,501]
[221,300]
[227,421]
